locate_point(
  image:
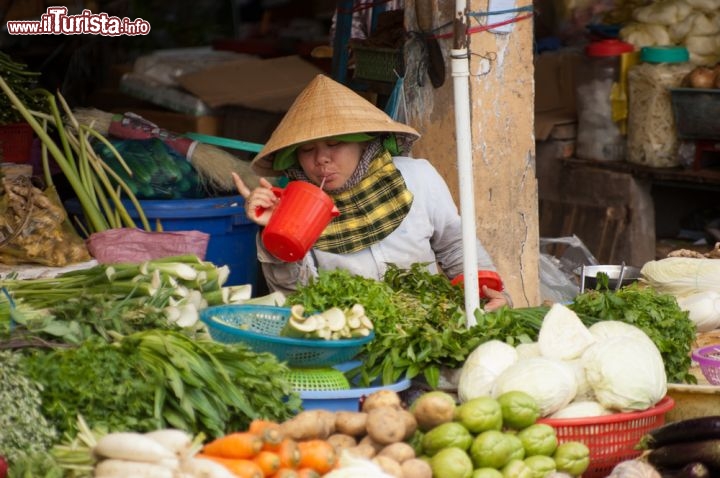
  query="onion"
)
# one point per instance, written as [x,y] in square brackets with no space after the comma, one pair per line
[702,77]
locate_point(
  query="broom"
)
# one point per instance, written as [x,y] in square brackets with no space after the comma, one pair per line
[213,165]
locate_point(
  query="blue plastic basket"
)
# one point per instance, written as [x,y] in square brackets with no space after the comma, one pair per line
[345,400]
[259,327]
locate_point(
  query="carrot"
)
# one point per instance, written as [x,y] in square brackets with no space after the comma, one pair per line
[288,452]
[285,473]
[239,467]
[242,445]
[268,461]
[318,455]
[268,430]
[308,473]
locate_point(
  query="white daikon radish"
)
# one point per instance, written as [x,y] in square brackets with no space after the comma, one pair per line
[204,468]
[113,468]
[177,441]
[132,446]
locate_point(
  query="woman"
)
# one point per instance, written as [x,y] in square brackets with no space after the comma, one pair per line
[393,209]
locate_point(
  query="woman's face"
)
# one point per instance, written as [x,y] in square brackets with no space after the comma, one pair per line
[333,161]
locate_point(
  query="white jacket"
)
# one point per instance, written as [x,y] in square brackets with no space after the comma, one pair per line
[430,233]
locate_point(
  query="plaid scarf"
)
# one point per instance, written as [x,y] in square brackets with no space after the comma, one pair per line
[369,211]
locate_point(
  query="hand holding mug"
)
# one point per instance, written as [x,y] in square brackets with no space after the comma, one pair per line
[260,202]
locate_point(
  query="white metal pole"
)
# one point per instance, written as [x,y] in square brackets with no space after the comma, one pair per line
[460,66]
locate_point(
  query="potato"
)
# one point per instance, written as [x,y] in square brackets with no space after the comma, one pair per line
[389,466]
[386,425]
[309,424]
[341,441]
[398,451]
[351,423]
[362,450]
[410,423]
[416,468]
[432,409]
[367,440]
[381,398]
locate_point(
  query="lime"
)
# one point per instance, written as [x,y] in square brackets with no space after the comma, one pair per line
[480,414]
[491,449]
[572,457]
[516,469]
[487,473]
[451,463]
[519,409]
[538,439]
[446,435]
[540,465]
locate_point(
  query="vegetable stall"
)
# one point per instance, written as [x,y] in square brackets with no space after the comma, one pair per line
[116,369]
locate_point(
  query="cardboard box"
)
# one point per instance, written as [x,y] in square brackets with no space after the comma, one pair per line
[178,122]
[555,84]
[261,84]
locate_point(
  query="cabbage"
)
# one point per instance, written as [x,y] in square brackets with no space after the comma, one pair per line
[614,328]
[682,276]
[581,409]
[550,381]
[481,368]
[584,390]
[528,349]
[625,373]
[562,334]
[703,309]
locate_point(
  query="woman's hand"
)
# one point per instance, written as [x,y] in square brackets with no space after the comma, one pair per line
[260,200]
[497,299]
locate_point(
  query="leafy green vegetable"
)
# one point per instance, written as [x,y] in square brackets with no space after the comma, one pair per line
[211,387]
[158,378]
[23,427]
[38,464]
[419,319]
[108,384]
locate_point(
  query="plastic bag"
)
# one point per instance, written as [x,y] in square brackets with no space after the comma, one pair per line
[555,286]
[158,171]
[135,245]
[34,227]
[560,258]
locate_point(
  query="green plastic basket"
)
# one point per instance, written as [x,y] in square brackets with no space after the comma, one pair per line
[317,379]
[259,327]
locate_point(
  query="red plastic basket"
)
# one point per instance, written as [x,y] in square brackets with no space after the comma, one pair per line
[16,142]
[610,438]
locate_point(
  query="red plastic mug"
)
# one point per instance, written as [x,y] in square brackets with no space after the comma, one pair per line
[489,278]
[303,212]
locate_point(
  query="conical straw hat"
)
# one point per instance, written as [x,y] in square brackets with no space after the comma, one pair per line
[323,109]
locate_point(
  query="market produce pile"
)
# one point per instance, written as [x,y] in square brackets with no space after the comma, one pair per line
[87,342]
